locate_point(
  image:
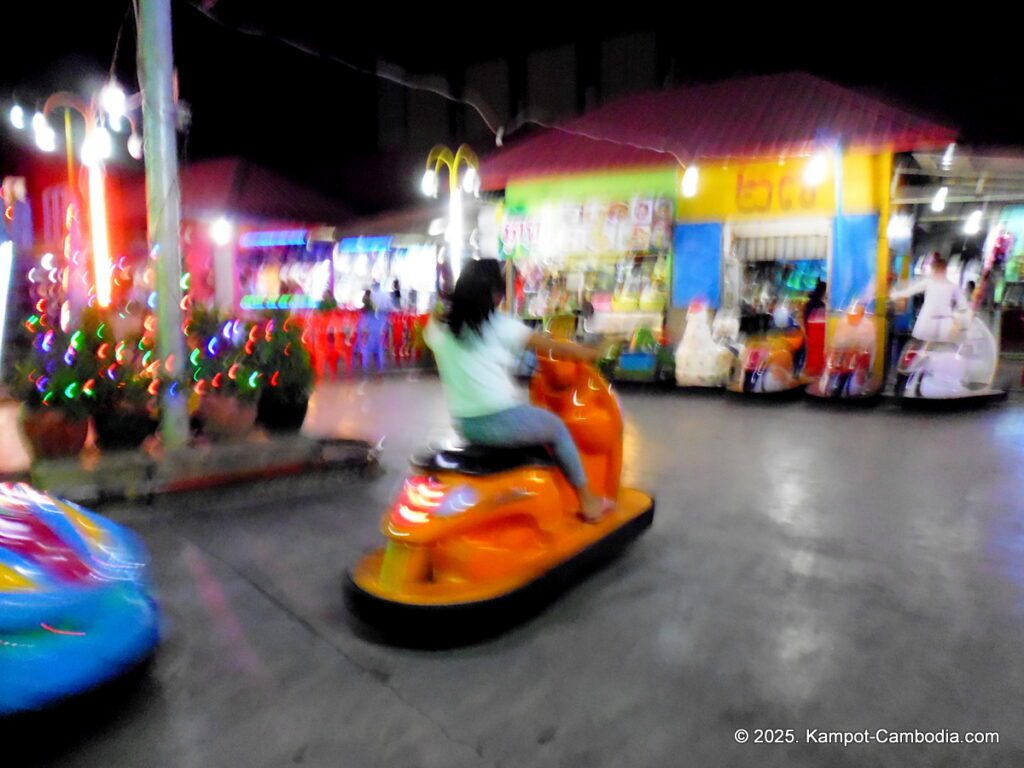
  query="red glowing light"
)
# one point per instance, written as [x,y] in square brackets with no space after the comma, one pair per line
[55,631]
[419,497]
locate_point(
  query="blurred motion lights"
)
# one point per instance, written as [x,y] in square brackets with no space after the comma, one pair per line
[6,264]
[816,170]
[973,224]
[101,265]
[18,117]
[690,179]
[939,201]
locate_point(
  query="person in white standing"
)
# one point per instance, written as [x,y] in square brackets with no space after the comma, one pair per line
[936,320]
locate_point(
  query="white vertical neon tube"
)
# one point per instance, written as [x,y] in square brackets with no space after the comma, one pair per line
[100,237]
[455,235]
[6,265]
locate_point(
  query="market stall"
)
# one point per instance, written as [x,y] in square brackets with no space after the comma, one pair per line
[774,184]
[598,246]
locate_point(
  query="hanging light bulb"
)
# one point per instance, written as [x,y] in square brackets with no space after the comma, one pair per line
[104,144]
[115,103]
[816,170]
[135,146]
[46,139]
[90,152]
[18,117]
[973,224]
[39,122]
[939,201]
[469,181]
[429,184]
[221,231]
[947,157]
[690,178]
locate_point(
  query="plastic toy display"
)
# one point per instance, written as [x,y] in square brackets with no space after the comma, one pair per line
[706,354]
[646,358]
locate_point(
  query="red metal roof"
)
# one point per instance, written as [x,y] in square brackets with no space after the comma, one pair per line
[763,116]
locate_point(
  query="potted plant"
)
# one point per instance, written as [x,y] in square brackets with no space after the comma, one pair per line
[119,400]
[288,374]
[54,416]
[123,411]
[226,377]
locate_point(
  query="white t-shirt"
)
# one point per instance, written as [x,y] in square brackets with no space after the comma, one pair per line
[476,370]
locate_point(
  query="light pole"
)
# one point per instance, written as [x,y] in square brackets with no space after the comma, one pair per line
[96,147]
[163,204]
[110,107]
[464,156]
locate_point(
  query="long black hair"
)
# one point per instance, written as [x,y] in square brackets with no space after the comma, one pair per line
[480,286]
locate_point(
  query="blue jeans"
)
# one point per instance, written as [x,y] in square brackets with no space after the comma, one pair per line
[526,425]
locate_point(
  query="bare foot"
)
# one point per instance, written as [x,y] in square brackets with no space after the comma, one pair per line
[594,507]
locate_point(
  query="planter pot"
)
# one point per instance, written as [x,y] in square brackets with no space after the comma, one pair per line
[280,415]
[226,418]
[122,428]
[52,434]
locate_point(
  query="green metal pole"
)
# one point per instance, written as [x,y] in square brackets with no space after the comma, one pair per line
[163,206]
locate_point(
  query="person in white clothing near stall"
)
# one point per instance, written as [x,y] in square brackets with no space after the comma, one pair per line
[937,318]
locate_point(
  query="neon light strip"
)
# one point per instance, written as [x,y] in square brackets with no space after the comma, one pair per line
[272,238]
[286,301]
[100,238]
[6,265]
[364,244]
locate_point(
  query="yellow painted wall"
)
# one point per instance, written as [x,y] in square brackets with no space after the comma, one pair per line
[767,189]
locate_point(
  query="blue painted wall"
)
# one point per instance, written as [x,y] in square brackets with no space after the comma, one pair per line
[854,260]
[697,267]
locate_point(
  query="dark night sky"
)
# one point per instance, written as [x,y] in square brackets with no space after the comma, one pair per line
[308,116]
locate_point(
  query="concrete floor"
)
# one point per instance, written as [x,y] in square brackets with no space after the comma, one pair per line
[807,569]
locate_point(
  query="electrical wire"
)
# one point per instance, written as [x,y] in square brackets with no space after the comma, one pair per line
[120,33]
[385,71]
[394,74]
